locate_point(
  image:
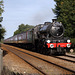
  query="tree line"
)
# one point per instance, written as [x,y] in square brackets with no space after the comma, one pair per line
[23,28]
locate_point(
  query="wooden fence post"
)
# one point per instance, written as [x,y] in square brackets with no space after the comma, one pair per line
[1,61]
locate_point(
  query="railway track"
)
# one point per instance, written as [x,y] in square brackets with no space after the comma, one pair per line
[43,73]
[43,59]
[70,56]
[65,58]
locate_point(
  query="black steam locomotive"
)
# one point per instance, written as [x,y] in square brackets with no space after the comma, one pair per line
[47,38]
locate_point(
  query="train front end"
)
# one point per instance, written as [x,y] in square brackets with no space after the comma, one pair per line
[58,46]
[57,43]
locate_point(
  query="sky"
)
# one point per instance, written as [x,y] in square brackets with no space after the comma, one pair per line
[32,12]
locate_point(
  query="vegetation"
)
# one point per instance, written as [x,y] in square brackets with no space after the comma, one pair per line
[2,33]
[73,42]
[65,12]
[1,7]
[2,30]
[23,28]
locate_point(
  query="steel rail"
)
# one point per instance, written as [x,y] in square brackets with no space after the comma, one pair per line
[64,59]
[70,56]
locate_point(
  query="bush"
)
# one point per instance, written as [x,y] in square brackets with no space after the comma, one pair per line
[73,43]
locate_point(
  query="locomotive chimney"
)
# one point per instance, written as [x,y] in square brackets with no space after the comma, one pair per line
[54,20]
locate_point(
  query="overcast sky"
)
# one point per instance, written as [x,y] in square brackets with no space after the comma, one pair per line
[32,12]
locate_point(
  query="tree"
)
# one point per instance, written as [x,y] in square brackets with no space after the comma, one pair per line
[2,30]
[1,7]
[65,12]
[23,28]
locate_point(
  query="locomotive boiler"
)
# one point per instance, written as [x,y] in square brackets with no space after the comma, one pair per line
[47,38]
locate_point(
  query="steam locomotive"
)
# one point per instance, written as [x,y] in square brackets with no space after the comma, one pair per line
[47,38]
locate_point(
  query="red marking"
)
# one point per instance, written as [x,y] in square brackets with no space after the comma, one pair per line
[62,44]
[57,44]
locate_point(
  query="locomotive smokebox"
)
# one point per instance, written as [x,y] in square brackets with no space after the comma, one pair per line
[55,29]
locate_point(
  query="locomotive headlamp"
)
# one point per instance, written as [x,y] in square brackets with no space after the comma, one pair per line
[48,41]
[51,45]
[68,41]
[68,45]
